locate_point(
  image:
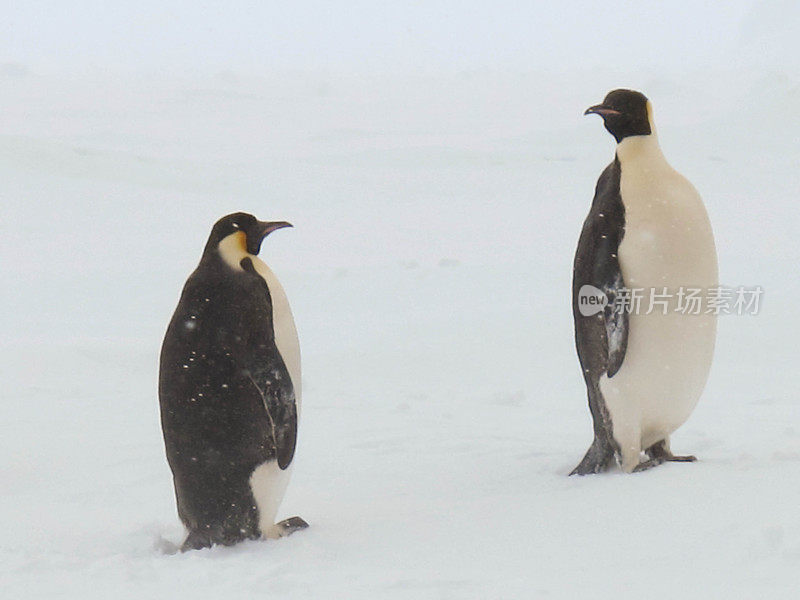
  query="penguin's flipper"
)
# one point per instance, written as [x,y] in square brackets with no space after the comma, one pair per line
[601,338]
[616,322]
[269,374]
[279,402]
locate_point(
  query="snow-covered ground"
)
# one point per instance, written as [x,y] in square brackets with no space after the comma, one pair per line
[429,270]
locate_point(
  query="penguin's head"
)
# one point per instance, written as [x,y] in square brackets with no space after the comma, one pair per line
[243,231]
[625,113]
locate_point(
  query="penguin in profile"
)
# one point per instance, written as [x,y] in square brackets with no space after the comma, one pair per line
[229,389]
[647,229]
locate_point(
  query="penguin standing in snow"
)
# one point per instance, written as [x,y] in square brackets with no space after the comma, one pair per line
[647,230]
[229,388]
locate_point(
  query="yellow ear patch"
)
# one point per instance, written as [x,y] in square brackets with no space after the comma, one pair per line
[233,248]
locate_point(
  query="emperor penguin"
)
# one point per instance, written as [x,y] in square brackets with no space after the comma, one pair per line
[647,230]
[229,389]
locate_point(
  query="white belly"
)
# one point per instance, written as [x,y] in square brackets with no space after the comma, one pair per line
[668,243]
[268,484]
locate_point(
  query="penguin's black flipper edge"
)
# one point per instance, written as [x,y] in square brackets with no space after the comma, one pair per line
[602,339]
[271,377]
[279,402]
[283,414]
[616,322]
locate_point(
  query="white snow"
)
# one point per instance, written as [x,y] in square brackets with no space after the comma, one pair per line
[436,216]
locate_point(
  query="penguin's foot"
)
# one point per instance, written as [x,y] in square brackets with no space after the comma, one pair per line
[197,540]
[659,453]
[661,450]
[286,527]
[648,464]
[212,535]
[598,458]
[290,525]
[686,458]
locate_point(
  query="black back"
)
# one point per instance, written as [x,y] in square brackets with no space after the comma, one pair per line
[601,339]
[227,400]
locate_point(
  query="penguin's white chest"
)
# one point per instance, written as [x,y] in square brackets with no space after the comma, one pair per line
[283,322]
[668,243]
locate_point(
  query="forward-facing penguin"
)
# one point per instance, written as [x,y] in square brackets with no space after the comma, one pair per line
[229,388]
[647,230]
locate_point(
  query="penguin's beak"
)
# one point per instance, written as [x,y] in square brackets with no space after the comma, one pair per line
[603,111]
[260,231]
[268,227]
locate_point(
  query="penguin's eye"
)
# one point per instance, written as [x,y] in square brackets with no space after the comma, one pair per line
[235,225]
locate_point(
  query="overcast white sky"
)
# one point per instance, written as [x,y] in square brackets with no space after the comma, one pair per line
[368,35]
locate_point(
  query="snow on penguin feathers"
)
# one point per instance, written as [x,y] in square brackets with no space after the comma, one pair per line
[647,229]
[229,383]
[229,389]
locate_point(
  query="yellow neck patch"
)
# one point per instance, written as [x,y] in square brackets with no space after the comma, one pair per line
[233,248]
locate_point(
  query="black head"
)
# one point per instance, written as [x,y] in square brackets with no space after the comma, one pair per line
[624,114]
[247,226]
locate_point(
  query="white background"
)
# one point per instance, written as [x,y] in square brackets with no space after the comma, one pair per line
[436,166]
